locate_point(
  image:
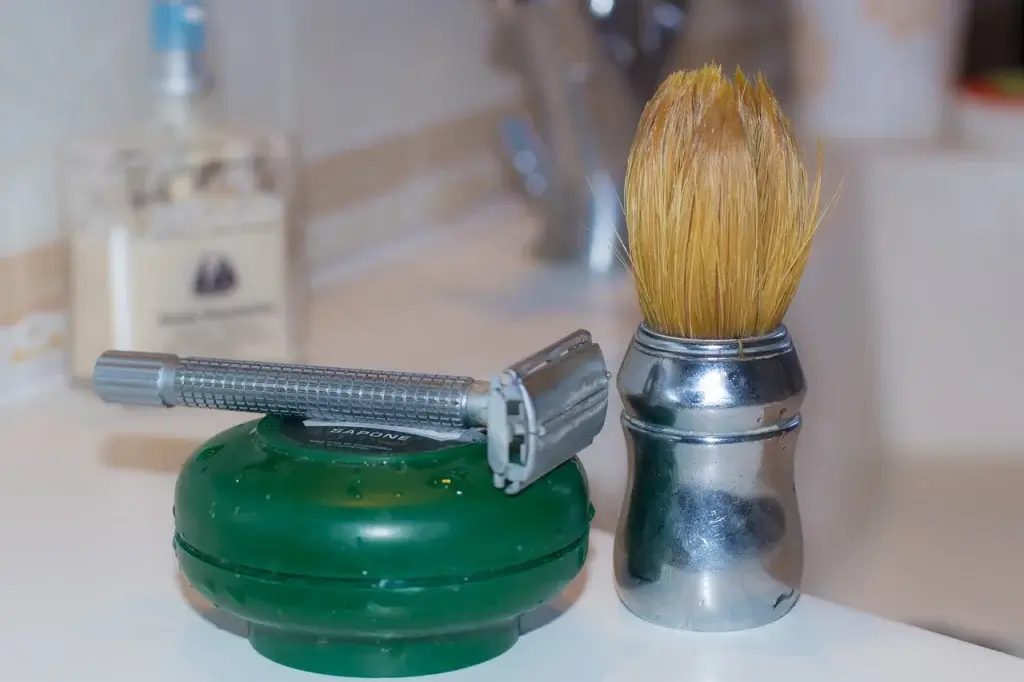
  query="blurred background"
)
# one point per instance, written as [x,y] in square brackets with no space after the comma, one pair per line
[434,186]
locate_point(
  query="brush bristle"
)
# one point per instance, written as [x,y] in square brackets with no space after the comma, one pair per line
[719,208]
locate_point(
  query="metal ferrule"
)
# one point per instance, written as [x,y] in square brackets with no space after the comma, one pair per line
[709,536]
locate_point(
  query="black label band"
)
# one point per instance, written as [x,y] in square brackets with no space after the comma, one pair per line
[383,440]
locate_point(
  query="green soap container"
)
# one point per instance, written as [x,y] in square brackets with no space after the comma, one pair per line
[373,552]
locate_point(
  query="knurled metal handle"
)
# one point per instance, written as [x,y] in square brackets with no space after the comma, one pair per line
[305,391]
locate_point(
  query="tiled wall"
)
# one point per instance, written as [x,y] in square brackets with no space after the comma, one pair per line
[64,70]
[394,103]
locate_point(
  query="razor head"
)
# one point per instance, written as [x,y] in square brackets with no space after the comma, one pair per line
[545,409]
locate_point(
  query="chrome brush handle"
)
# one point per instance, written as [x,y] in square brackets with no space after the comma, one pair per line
[539,413]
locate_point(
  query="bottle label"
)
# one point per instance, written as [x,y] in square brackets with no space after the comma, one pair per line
[180,246]
[219,294]
[374,439]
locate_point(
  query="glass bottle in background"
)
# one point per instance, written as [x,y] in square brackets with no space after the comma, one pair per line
[180,236]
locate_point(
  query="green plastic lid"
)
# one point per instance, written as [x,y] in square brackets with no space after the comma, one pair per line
[368,503]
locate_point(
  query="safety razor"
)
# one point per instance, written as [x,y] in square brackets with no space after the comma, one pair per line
[538,413]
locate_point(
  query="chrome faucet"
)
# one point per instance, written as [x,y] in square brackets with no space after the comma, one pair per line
[588,67]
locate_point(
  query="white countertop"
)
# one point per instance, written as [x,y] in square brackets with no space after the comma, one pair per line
[89,582]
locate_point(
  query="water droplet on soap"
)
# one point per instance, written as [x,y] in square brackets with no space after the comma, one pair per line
[354,492]
[398,494]
[458,492]
[267,496]
[366,572]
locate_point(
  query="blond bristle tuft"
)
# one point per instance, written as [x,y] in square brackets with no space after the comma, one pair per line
[719,208]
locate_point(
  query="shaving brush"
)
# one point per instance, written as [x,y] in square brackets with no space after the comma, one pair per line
[720,213]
